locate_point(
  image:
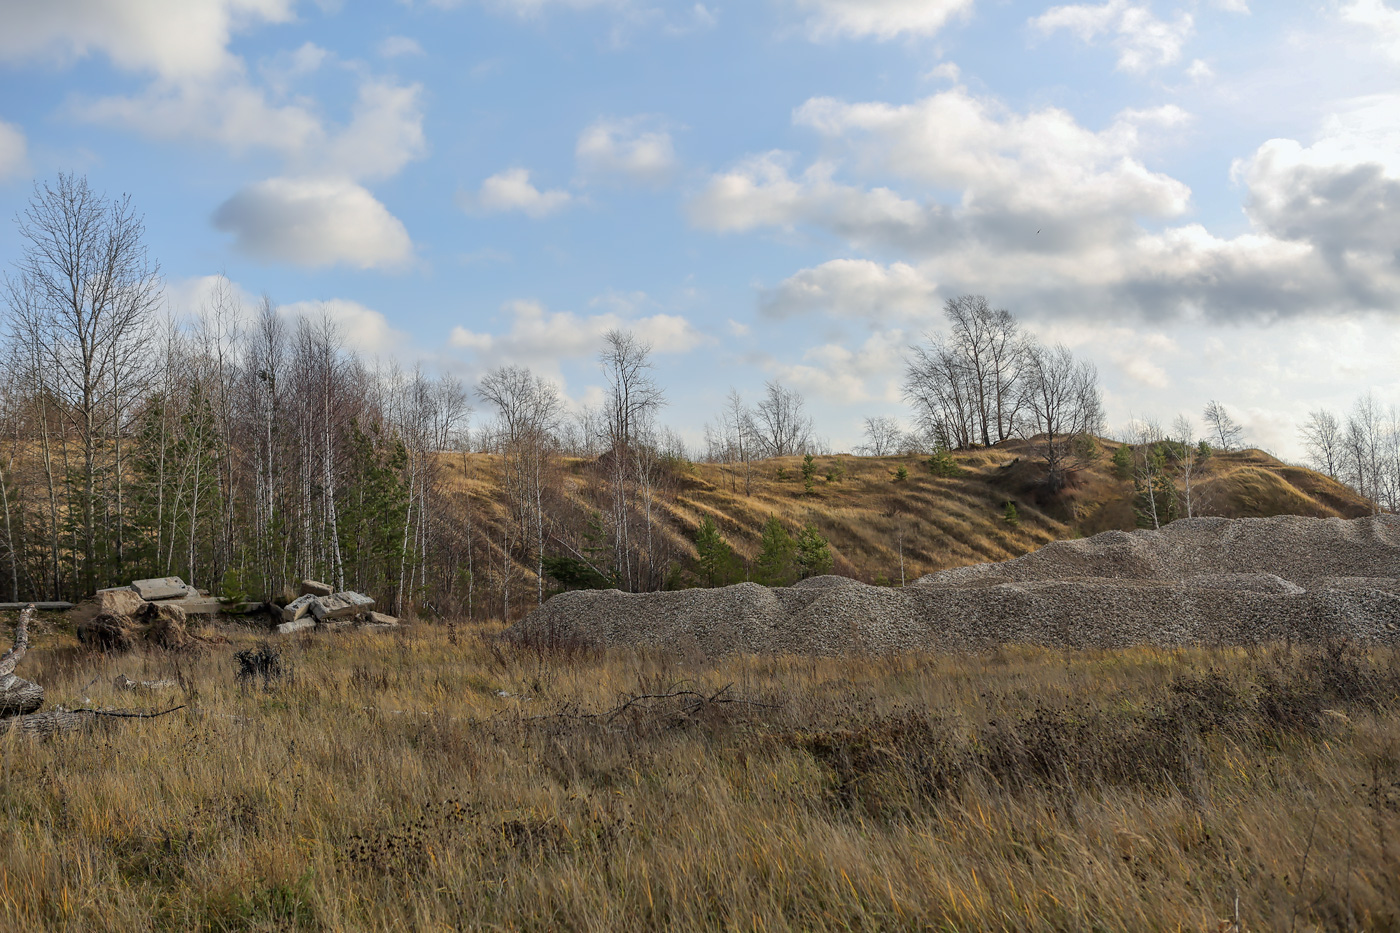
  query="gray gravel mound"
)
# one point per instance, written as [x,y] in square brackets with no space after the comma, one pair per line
[1197,581]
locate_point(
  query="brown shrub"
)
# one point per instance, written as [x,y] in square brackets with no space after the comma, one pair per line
[107,631]
[168,627]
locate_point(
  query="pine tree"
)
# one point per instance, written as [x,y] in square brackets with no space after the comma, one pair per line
[813,553]
[1123,462]
[718,564]
[941,463]
[777,557]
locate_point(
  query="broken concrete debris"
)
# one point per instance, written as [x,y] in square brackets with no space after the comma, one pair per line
[301,606]
[296,625]
[340,605]
[161,588]
[155,610]
[316,588]
[335,612]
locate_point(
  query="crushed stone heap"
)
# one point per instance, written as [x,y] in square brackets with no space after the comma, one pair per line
[1197,581]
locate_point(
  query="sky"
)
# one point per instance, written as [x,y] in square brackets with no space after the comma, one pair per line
[1200,196]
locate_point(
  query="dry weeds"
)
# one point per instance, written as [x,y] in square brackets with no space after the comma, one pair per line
[443,780]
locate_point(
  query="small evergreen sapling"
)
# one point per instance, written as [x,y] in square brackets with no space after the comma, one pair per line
[718,564]
[942,464]
[1123,462]
[777,555]
[1010,515]
[813,553]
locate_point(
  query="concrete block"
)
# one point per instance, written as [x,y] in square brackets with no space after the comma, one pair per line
[287,628]
[161,588]
[298,608]
[341,605]
[314,588]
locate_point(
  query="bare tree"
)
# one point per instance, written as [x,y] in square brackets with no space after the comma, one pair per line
[937,385]
[1225,432]
[1187,455]
[781,420]
[883,436]
[970,387]
[528,410]
[988,342]
[1063,404]
[83,296]
[1322,437]
[634,398]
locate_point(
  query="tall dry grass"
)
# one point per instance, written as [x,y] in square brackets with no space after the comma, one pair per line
[444,780]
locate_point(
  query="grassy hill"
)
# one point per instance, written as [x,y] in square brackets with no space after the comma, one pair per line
[870,518]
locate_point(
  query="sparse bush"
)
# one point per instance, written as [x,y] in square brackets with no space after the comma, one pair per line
[262,662]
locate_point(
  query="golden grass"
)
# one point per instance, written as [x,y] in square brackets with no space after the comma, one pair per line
[386,784]
[943,522]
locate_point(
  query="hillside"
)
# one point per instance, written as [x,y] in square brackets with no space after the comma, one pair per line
[937,523]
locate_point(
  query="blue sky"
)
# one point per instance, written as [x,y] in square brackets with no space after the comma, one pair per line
[778,189]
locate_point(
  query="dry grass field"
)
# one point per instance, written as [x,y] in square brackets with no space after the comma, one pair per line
[933,522]
[441,779]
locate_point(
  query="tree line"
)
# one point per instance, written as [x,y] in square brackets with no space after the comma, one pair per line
[244,449]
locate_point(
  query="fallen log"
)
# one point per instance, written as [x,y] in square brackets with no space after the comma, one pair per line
[67,720]
[17,695]
[42,607]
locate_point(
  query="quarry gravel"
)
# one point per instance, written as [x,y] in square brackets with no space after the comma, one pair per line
[1210,581]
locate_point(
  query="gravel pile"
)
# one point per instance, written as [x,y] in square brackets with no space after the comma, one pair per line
[1197,581]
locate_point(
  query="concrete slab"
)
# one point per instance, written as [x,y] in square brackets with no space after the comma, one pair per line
[341,605]
[161,588]
[287,628]
[298,608]
[315,588]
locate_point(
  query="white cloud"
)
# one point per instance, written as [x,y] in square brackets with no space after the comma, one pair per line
[384,134]
[396,46]
[879,19]
[855,288]
[1143,41]
[1381,19]
[1340,194]
[238,116]
[1017,174]
[364,329]
[1200,70]
[14,151]
[1043,213]
[529,8]
[947,71]
[314,222]
[542,338]
[635,149]
[285,68]
[511,190]
[175,39]
[760,192]
[841,374]
[385,131]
